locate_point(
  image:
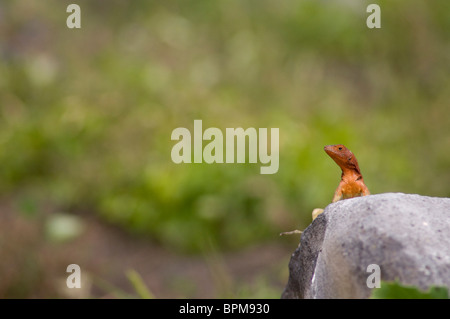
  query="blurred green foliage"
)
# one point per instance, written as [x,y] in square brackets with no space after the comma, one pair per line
[86,115]
[395,290]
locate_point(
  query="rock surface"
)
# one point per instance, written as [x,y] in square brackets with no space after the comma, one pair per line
[407,235]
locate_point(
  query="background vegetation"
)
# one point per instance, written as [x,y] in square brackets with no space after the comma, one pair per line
[86,115]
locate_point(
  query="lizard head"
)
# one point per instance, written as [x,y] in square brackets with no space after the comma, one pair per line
[342,156]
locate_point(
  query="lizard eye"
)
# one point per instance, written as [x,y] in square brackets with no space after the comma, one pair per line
[340,148]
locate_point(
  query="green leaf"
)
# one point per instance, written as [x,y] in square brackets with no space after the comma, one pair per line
[139,285]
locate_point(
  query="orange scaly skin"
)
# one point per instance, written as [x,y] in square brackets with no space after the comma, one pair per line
[352,182]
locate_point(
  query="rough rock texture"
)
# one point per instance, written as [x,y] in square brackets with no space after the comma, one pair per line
[407,235]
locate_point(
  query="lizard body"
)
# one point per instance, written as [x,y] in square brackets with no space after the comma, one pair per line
[352,182]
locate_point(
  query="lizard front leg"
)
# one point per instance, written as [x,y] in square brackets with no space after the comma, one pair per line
[365,191]
[338,195]
[316,212]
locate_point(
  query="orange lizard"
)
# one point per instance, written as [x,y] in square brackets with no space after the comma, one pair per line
[352,182]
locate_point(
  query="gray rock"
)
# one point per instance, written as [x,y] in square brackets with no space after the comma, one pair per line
[407,235]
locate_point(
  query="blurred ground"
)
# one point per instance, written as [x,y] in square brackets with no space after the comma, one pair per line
[35,266]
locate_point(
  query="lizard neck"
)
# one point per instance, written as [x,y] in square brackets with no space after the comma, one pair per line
[350,175]
[350,169]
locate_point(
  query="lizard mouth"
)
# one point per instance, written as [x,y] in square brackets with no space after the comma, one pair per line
[328,148]
[331,149]
[339,153]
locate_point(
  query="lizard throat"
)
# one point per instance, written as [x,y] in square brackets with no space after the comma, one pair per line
[350,176]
